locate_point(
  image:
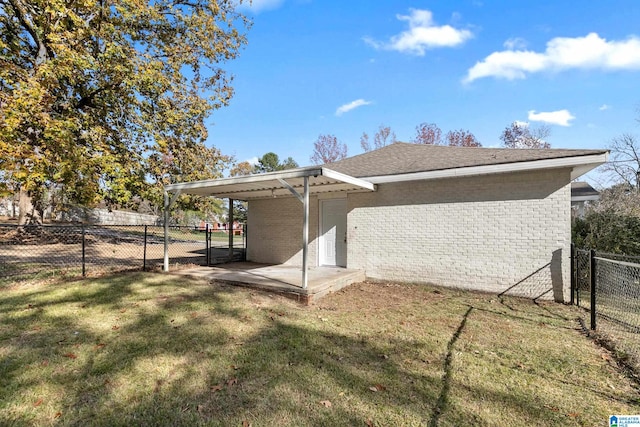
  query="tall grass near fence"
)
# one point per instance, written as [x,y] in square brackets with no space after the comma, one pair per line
[608,287]
[50,251]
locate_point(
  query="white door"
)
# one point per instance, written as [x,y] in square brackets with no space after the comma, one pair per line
[333,232]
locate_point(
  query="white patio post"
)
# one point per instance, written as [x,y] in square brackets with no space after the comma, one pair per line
[305,233]
[166,232]
[168,202]
[230,229]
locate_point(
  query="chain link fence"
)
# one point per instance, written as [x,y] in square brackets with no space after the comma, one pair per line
[41,252]
[583,277]
[608,286]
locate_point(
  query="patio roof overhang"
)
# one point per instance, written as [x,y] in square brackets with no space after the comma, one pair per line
[274,184]
[300,182]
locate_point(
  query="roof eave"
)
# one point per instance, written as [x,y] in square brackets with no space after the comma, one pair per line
[579,166]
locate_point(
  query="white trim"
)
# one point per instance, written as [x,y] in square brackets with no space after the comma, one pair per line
[584,198]
[348,179]
[247,179]
[579,162]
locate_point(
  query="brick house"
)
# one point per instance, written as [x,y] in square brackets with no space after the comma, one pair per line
[496,220]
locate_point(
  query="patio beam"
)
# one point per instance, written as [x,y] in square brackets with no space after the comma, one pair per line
[291,189]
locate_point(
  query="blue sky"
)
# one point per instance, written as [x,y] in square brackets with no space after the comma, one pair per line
[345,67]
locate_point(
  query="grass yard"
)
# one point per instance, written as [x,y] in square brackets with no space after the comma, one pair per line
[154,349]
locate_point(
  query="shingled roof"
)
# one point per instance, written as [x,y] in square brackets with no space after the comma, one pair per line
[404,158]
[583,190]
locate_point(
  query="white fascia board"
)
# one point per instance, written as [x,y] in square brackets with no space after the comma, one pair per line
[587,162]
[247,179]
[250,183]
[365,184]
[584,198]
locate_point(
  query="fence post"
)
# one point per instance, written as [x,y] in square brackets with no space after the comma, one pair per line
[84,244]
[573,273]
[144,252]
[592,259]
[577,278]
[207,244]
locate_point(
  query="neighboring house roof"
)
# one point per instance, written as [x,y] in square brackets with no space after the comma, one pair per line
[404,159]
[582,191]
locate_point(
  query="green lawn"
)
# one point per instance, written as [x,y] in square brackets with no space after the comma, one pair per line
[154,349]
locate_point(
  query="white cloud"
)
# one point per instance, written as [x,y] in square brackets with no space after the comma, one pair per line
[515,43]
[521,124]
[422,34]
[560,117]
[604,107]
[589,52]
[257,6]
[253,160]
[350,106]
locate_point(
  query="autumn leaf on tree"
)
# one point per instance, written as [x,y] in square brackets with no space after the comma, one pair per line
[461,138]
[428,134]
[328,149]
[107,102]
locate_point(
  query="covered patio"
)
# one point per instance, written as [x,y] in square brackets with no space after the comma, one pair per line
[282,279]
[299,183]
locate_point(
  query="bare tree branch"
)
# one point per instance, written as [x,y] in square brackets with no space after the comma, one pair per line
[624,165]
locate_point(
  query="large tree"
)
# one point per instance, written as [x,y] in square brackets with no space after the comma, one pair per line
[97,98]
[522,135]
[328,149]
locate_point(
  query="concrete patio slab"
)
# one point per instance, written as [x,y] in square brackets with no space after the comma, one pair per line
[279,278]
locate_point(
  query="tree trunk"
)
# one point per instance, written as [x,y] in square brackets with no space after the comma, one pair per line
[27,212]
[16,197]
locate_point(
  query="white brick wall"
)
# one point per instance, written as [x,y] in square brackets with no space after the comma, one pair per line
[502,233]
[274,231]
[497,233]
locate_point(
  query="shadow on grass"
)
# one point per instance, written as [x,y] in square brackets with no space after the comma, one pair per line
[446,379]
[138,349]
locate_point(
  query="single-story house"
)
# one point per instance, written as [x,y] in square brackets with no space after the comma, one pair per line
[489,219]
[581,194]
